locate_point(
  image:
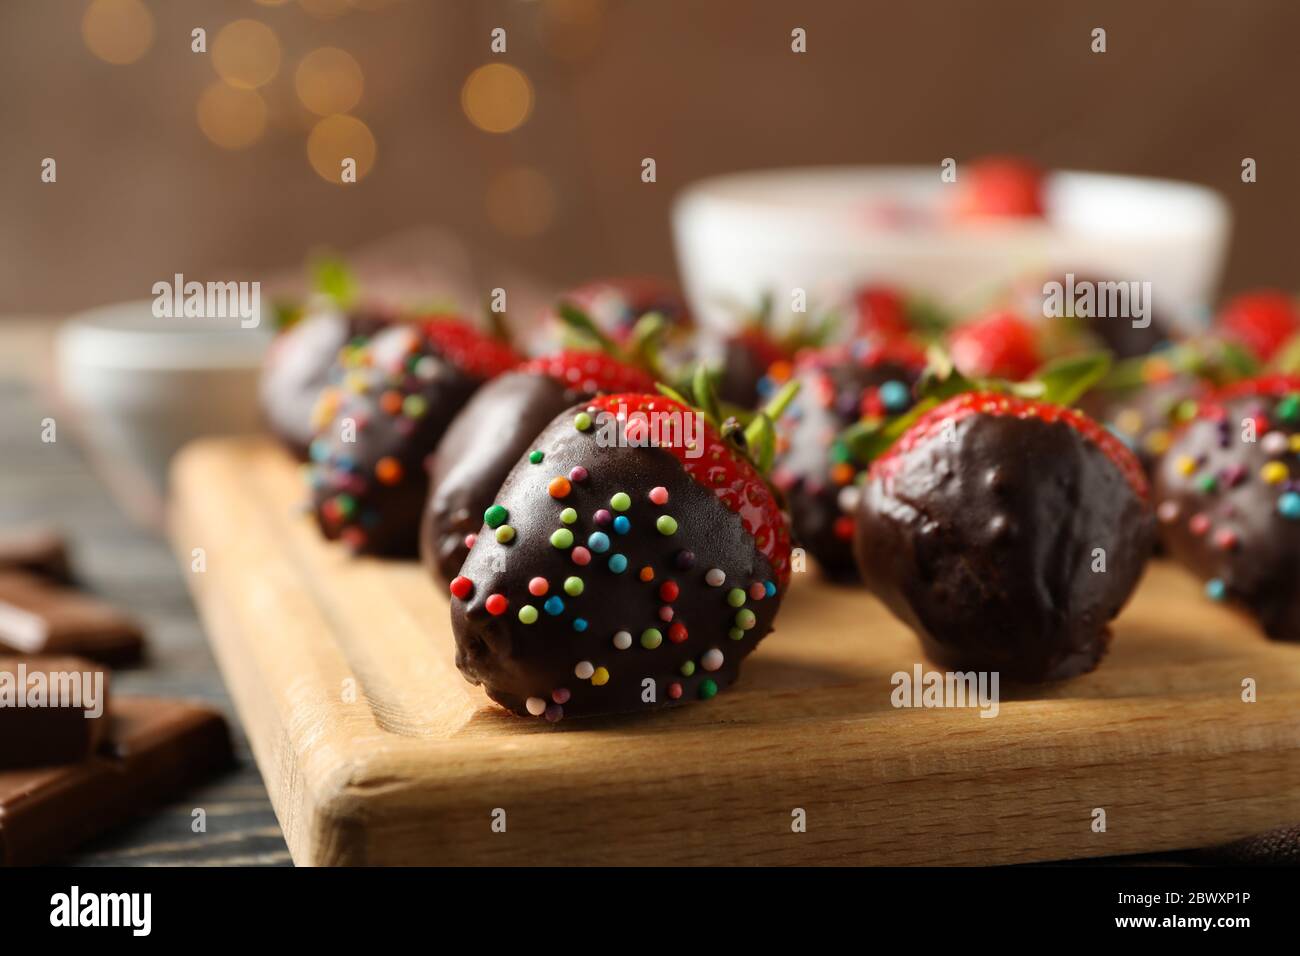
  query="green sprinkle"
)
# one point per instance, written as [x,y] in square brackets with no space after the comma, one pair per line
[736,597]
[1207,483]
[1289,408]
[745,619]
[573,586]
[536,457]
[414,406]
[562,538]
[505,533]
[666,524]
[347,504]
[651,638]
[582,421]
[688,668]
[568,516]
[527,614]
[736,634]
[620,502]
[708,689]
[495,516]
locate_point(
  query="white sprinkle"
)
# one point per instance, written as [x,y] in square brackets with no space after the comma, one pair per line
[715,577]
[535,706]
[848,499]
[711,660]
[584,670]
[1275,443]
[622,640]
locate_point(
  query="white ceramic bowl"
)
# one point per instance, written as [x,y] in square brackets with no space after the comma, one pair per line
[827,230]
[143,386]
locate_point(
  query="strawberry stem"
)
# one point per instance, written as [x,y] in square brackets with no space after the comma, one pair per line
[582,326]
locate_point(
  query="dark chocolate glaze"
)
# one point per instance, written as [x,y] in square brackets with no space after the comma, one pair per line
[382,517]
[517,661]
[1118,334]
[1234,533]
[1146,419]
[492,432]
[302,361]
[821,507]
[985,546]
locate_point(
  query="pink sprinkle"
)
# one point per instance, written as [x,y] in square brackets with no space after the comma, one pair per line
[757,592]
[1199,524]
[674,690]
[665,613]
[659,495]
[538,586]
[603,517]
[581,556]
[470,539]
[577,473]
[560,695]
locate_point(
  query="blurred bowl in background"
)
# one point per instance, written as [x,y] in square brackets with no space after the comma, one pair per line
[144,386]
[829,230]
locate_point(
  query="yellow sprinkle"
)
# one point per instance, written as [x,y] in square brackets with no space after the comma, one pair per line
[1274,473]
[600,677]
[1186,464]
[1129,421]
[1295,442]
[355,383]
[1157,442]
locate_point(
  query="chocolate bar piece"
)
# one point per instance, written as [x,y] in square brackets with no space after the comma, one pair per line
[38,617]
[39,551]
[53,710]
[155,750]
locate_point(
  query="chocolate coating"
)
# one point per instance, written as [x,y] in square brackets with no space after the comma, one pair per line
[493,431]
[985,546]
[1146,419]
[823,499]
[302,362]
[1225,513]
[543,662]
[354,496]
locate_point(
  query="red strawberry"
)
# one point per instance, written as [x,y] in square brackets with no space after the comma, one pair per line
[615,573]
[881,311]
[1260,321]
[490,434]
[999,344]
[392,404]
[999,187]
[1007,533]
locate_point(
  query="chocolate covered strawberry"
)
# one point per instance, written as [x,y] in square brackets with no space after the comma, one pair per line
[1261,322]
[633,557]
[999,344]
[840,385]
[1007,532]
[491,433]
[883,312]
[1228,500]
[384,417]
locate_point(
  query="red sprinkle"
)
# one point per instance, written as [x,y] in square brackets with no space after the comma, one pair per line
[677,633]
[462,587]
[668,591]
[496,604]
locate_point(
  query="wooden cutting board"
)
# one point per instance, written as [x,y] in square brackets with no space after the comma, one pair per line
[376,751]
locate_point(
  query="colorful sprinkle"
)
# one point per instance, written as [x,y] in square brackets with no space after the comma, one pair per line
[622,525]
[666,613]
[895,395]
[736,597]
[600,678]
[666,524]
[668,591]
[1167,511]
[646,573]
[1274,473]
[414,406]
[577,473]
[495,516]
[1289,505]
[603,517]
[561,538]
[1225,539]
[581,556]
[505,534]
[388,470]
[462,587]
[736,634]
[677,633]
[651,638]
[535,706]
[685,559]
[687,668]
[659,495]
[584,670]
[554,605]
[715,577]
[579,624]
[554,712]
[712,660]
[708,689]
[559,487]
[536,457]
[560,695]
[1186,465]
[573,586]
[496,604]
[674,690]
[582,421]
[770,588]
[538,586]
[1275,443]
[757,591]
[598,541]
[1215,589]
[1199,524]
[745,619]
[623,640]
[527,614]
[617,563]
[568,516]
[620,502]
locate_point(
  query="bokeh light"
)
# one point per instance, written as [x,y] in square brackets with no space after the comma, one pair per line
[329,80]
[231,118]
[246,54]
[336,138]
[497,98]
[117,31]
[571,29]
[521,202]
[325,9]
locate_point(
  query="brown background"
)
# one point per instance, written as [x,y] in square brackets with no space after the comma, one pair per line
[1186,90]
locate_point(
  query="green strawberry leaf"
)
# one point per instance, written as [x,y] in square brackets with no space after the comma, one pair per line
[1064,381]
[584,329]
[332,277]
[1287,359]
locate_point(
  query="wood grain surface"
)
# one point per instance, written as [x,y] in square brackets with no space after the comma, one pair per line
[375,750]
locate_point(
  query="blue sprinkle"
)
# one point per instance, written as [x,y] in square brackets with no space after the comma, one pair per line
[621,524]
[579,623]
[770,588]
[1289,505]
[598,542]
[345,463]
[617,563]
[895,396]
[319,450]
[1215,589]
[553,605]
